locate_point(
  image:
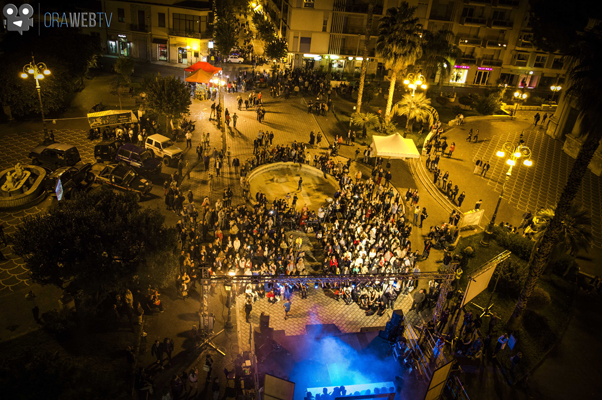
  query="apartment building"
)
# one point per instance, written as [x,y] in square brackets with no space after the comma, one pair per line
[494,36]
[159,30]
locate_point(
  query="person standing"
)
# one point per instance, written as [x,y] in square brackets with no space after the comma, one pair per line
[423,216]
[485,169]
[300,182]
[215,384]
[188,139]
[477,168]
[536,119]
[418,300]
[193,379]
[199,152]
[157,351]
[287,308]
[501,344]
[461,198]
[416,215]
[248,309]
[234,119]
[451,149]
[168,346]
[477,206]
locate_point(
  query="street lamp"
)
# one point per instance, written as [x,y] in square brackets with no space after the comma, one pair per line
[38,71]
[513,153]
[414,81]
[555,89]
[518,97]
[351,117]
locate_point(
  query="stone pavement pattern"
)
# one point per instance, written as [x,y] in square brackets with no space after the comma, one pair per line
[319,308]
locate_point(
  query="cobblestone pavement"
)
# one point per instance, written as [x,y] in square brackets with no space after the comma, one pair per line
[541,184]
[320,307]
[17,145]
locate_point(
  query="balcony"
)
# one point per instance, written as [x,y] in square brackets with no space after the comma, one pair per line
[194,35]
[139,28]
[491,63]
[437,16]
[478,2]
[520,63]
[522,44]
[342,6]
[500,24]
[496,44]
[474,21]
[468,60]
[469,42]
[506,3]
[349,51]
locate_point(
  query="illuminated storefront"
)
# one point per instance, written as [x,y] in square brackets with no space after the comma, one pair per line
[482,76]
[459,74]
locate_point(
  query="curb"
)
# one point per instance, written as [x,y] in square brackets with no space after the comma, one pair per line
[419,172]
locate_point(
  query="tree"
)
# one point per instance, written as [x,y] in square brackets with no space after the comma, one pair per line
[277,49]
[225,36]
[364,120]
[490,102]
[168,96]
[365,54]
[92,245]
[414,108]
[124,66]
[584,80]
[438,54]
[265,29]
[575,232]
[399,43]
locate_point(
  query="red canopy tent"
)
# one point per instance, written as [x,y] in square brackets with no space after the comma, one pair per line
[205,66]
[200,76]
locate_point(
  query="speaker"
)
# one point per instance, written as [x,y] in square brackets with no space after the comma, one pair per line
[264,322]
[396,318]
[394,327]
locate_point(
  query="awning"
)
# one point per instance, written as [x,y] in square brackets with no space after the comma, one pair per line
[205,66]
[159,41]
[200,76]
[394,146]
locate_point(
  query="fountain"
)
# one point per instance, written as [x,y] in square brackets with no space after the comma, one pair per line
[21,186]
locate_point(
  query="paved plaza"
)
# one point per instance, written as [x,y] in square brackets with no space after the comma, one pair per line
[320,308]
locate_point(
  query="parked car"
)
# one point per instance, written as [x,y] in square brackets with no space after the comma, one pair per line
[163,148]
[143,160]
[107,150]
[124,178]
[73,179]
[55,155]
[235,59]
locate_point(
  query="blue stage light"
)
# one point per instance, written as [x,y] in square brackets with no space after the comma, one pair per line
[316,285]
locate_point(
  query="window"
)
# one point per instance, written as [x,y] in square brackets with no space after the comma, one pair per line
[468,12]
[305,45]
[558,63]
[522,56]
[325,24]
[189,23]
[161,20]
[500,15]
[121,15]
[308,3]
[540,61]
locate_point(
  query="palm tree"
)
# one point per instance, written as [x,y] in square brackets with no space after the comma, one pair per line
[415,108]
[399,43]
[585,80]
[364,120]
[438,54]
[575,234]
[365,54]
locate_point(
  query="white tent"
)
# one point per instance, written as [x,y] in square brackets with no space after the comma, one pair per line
[394,146]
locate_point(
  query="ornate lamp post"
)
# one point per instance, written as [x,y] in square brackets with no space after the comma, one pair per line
[555,89]
[414,81]
[512,153]
[38,71]
[518,97]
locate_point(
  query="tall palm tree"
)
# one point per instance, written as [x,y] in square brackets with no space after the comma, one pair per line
[575,233]
[415,108]
[438,53]
[365,53]
[585,80]
[399,43]
[364,120]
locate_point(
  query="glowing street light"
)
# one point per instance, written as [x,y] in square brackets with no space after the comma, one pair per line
[555,89]
[415,81]
[515,153]
[37,71]
[518,97]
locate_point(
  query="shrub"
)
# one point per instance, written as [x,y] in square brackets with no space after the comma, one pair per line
[538,327]
[537,100]
[457,110]
[519,245]
[539,299]
[160,271]
[465,101]
[443,101]
[511,279]
[60,323]
[562,265]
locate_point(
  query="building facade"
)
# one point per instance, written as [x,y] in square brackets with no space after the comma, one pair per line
[494,36]
[161,30]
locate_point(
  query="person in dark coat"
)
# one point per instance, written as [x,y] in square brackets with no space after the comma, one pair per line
[248,309]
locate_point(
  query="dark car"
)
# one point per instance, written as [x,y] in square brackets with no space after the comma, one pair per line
[124,178]
[107,150]
[73,179]
[143,160]
[55,155]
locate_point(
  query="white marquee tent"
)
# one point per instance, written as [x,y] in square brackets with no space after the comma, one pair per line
[394,146]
